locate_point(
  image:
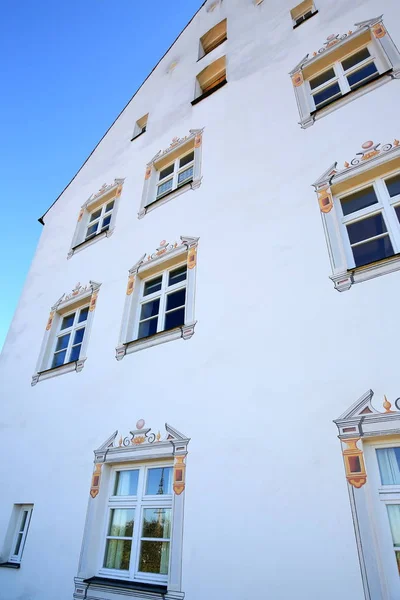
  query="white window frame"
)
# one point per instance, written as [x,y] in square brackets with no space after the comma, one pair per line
[79,298]
[174,176]
[384,54]
[106,195]
[167,258]
[16,558]
[76,326]
[188,144]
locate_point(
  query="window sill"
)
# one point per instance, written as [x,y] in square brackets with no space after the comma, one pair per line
[90,242]
[116,589]
[184,331]
[76,365]
[304,20]
[193,185]
[129,585]
[343,281]
[206,94]
[10,565]
[135,137]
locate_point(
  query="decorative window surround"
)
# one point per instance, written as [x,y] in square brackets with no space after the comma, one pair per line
[105,195]
[78,298]
[178,147]
[16,536]
[136,449]
[165,257]
[384,53]
[376,162]
[361,430]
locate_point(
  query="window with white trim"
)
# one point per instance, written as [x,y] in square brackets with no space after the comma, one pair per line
[99,220]
[140,126]
[389,472]
[24,513]
[179,172]
[69,339]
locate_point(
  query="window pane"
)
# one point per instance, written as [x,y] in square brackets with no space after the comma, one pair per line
[109,206]
[68,321]
[18,544]
[394,519]
[150,309]
[176,299]
[177,275]
[92,230]
[62,342]
[327,95]
[121,522]
[75,352]
[156,523]
[397,210]
[358,200]
[366,228]
[173,319]
[78,336]
[23,522]
[95,215]
[126,483]
[165,172]
[323,78]
[83,315]
[164,187]
[372,251]
[106,221]
[186,159]
[154,557]
[362,75]
[389,465]
[159,481]
[148,328]
[356,58]
[154,285]
[184,175]
[118,553]
[58,359]
[393,185]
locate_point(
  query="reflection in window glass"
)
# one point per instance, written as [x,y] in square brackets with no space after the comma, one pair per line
[358,200]
[393,185]
[159,481]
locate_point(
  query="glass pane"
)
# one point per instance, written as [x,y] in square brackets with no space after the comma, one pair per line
[78,336]
[176,318]
[186,159]
[366,228]
[362,75]
[394,520]
[126,483]
[23,522]
[150,309]
[154,557]
[118,553]
[106,221]
[95,215]
[323,78]
[62,342]
[393,185]
[177,275]
[121,522]
[154,285]
[389,465]
[18,544]
[75,352]
[147,328]
[358,200]
[68,321]
[184,175]
[165,172]
[176,299]
[92,230]
[356,58]
[327,95]
[164,187]
[109,206]
[58,359]
[83,315]
[397,210]
[156,523]
[159,481]
[372,251]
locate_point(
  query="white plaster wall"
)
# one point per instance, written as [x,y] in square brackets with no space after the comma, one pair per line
[277,353]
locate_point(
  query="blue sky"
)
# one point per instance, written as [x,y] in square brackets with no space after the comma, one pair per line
[68,68]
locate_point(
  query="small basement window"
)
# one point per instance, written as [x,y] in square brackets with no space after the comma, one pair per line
[210,79]
[302,12]
[140,126]
[213,38]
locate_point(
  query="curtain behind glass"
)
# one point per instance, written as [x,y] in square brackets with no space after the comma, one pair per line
[389,465]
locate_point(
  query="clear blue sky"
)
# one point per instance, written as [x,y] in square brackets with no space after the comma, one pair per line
[68,67]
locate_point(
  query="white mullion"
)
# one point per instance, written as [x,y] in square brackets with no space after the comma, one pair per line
[175,174]
[134,562]
[163,299]
[342,80]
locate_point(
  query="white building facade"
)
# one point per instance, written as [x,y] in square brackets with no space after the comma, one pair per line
[208,310]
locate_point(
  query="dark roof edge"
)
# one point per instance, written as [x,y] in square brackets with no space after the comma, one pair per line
[116,119]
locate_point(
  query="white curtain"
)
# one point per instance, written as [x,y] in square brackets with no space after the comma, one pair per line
[394,518]
[127,483]
[389,465]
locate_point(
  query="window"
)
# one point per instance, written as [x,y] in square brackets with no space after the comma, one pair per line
[160,297]
[67,333]
[97,217]
[134,524]
[213,38]
[302,12]
[24,513]
[364,198]
[389,472]
[140,126]
[173,171]
[211,79]
[345,67]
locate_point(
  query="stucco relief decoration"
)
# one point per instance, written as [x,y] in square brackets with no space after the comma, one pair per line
[325,200]
[78,290]
[179,475]
[147,174]
[50,321]
[139,436]
[379,31]
[131,285]
[198,140]
[297,79]
[106,188]
[95,486]
[93,301]
[163,248]
[370,150]
[192,257]
[331,40]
